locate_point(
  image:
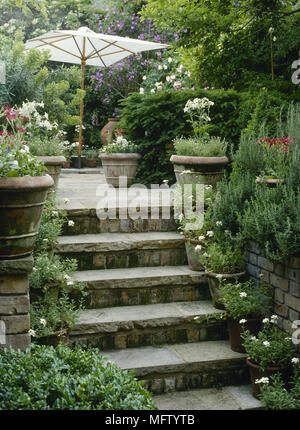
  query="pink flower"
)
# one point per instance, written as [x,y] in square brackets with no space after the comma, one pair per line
[177,85]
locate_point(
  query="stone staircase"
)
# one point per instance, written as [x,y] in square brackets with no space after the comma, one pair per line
[146,310]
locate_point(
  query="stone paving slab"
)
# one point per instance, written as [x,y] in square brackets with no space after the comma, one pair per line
[111,320]
[226,398]
[140,277]
[85,190]
[108,242]
[175,358]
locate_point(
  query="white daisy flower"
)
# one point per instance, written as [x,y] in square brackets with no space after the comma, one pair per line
[43,322]
[71,223]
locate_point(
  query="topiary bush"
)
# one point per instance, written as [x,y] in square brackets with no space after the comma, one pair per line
[48,378]
[153,121]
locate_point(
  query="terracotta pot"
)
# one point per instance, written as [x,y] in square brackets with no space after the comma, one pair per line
[214,285]
[257,373]
[66,165]
[201,170]
[235,329]
[106,131]
[55,338]
[21,205]
[116,165]
[92,162]
[54,165]
[193,255]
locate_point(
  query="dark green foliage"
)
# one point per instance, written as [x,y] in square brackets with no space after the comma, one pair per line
[153,121]
[45,378]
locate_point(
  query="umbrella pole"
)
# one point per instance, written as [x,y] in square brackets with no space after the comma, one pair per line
[81,114]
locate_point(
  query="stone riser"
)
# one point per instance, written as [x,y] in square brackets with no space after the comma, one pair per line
[143,296]
[204,378]
[183,333]
[90,224]
[127,259]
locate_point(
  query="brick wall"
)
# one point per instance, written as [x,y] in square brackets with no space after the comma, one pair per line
[284,278]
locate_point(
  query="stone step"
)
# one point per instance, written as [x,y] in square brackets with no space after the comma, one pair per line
[143,325]
[209,399]
[184,366]
[121,250]
[142,286]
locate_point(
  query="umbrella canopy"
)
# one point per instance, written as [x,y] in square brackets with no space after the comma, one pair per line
[85,47]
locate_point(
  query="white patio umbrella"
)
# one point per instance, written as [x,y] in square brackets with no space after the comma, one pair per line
[85,47]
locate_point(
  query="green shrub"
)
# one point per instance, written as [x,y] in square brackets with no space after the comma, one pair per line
[272,219]
[154,121]
[47,378]
[223,258]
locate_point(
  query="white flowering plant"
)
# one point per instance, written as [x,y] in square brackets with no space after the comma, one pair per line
[15,157]
[223,257]
[246,299]
[120,145]
[271,347]
[275,396]
[198,111]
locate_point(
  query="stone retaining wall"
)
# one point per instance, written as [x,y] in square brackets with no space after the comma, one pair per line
[284,278]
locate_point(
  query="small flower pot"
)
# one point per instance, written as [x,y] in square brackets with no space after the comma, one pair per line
[257,373]
[74,161]
[270,182]
[92,162]
[198,170]
[235,329]
[55,338]
[116,165]
[215,283]
[66,165]
[193,255]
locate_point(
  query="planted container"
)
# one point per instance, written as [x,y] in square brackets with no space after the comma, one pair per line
[193,255]
[116,165]
[214,282]
[198,170]
[235,329]
[21,205]
[54,165]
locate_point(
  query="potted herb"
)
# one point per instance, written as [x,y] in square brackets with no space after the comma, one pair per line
[120,159]
[202,158]
[51,320]
[191,224]
[275,396]
[223,262]
[269,352]
[275,153]
[92,158]
[246,304]
[23,187]
[45,140]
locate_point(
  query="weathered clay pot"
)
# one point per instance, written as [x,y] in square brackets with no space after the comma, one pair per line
[235,329]
[193,255]
[116,165]
[106,131]
[270,182]
[214,285]
[74,161]
[199,170]
[21,204]
[257,373]
[92,162]
[54,165]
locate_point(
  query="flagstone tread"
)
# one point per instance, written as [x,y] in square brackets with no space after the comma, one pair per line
[109,242]
[169,359]
[225,398]
[138,277]
[112,320]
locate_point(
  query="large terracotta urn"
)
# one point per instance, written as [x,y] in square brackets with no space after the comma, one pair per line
[106,131]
